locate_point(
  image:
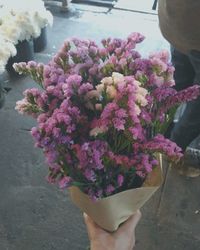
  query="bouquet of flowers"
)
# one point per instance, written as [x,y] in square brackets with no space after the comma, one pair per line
[101,114]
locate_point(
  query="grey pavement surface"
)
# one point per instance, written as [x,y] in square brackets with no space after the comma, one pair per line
[35,215]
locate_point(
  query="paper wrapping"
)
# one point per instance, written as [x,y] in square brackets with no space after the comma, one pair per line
[111,211]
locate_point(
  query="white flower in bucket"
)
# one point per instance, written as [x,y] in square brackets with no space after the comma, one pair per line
[7,49]
[16,28]
[23,20]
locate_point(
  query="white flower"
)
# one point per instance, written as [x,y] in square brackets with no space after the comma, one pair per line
[98,106]
[137,109]
[117,77]
[7,49]
[141,100]
[142,91]
[22,105]
[97,130]
[107,81]
[137,83]
[141,96]
[100,88]
[21,20]
[92,94]
[111,91]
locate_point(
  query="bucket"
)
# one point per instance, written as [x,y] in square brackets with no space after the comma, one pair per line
[40,42]
[25,53]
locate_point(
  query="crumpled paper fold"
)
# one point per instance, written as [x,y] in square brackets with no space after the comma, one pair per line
[111,211]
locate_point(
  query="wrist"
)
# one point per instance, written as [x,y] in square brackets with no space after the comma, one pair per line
[101,246]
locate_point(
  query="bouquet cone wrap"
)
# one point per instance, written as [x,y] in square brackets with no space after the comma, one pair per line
[111,211]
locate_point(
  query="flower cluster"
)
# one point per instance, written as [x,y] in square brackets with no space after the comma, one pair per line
[23,20]
[20,21]
[101,113]
[7,50]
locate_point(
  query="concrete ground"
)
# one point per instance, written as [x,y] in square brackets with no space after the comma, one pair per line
[35,215]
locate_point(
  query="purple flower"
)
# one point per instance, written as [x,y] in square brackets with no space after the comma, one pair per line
[109,189]
[136,37]
[118,123]
[160,144]
[85,88]
[120,180]
[90,175]
[65,182]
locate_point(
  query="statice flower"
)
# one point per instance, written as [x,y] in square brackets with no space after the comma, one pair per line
[160,144]
[33,104]
[101,113]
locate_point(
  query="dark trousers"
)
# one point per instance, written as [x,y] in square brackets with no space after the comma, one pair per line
[187,73]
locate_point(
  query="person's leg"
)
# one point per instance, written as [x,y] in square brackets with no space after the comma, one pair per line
[184,76]
[184,72]
[188,127]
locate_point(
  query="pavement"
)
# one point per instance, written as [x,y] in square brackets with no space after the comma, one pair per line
[35,215]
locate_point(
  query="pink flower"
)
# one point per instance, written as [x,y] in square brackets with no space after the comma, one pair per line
[109,189]
[65,182]
[163,55]
[120,180]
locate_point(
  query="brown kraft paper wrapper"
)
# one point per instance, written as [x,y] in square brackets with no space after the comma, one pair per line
[111,211]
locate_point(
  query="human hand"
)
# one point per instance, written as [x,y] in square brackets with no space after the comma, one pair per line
[122,239]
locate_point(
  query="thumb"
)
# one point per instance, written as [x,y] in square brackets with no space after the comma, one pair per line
[130,225]
[92,227]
